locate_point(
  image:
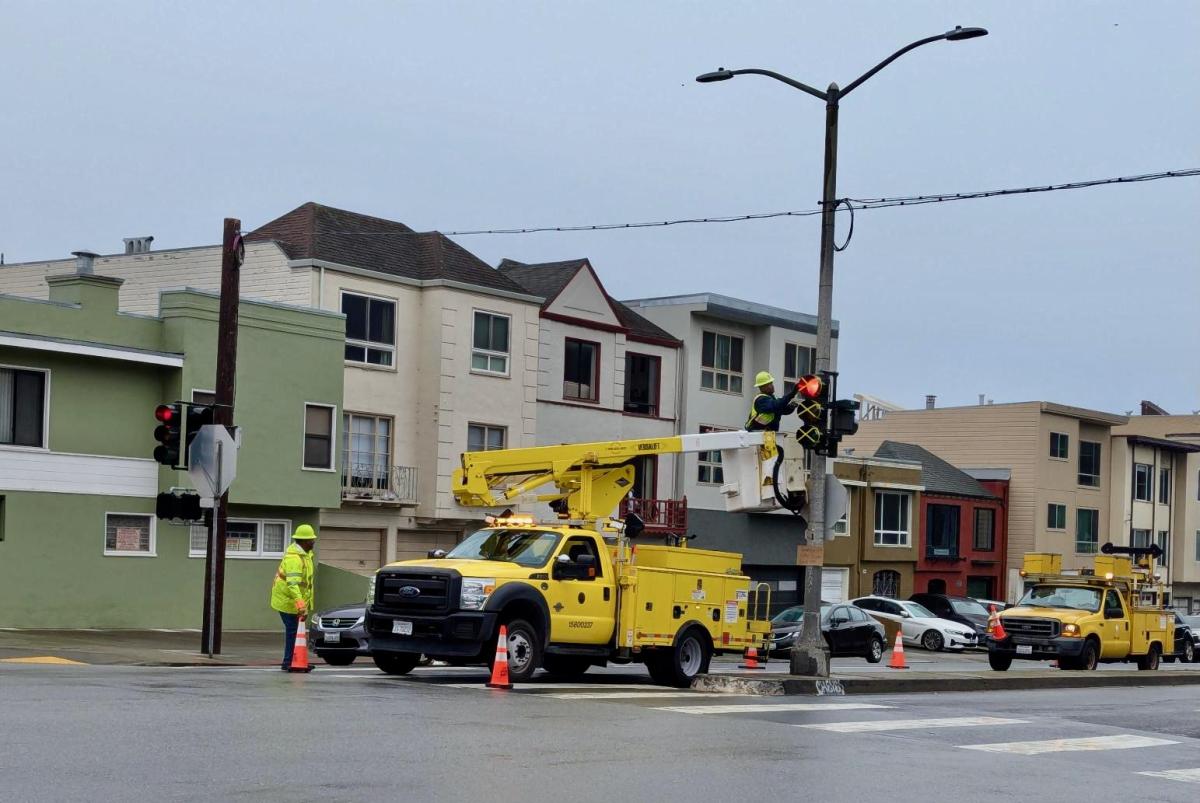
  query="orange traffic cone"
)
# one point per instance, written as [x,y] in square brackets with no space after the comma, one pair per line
[300,650]
[993,618]
[500,665]
[751,660]
[998,631]
[897,661]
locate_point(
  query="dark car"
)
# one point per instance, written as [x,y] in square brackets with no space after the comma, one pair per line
[1187,639]
[847,630]
[964,610]
[339,635]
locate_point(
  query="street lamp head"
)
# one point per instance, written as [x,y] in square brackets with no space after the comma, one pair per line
[710,77]
[959,33]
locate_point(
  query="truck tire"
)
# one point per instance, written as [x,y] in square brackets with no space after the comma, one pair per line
[1149,661]
[1089,659]
[524,651]
[395,663]
[678,666]
[566,667]
[999,661]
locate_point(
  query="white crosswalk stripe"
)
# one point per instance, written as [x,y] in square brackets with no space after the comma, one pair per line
[1123,741]
[768,708]
[639,695]
[1187,776]
[911,724]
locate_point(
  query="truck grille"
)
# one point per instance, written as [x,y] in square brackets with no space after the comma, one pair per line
[416,591]
[1031,628]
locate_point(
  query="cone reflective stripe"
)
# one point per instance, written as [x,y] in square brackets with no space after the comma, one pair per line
[500,665]
[993,619]
[751,660]
[897,661]
[300,650]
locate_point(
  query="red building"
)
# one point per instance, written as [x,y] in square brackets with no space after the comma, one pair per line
[962,525]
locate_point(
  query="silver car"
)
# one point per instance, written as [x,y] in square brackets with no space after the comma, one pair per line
[339,635]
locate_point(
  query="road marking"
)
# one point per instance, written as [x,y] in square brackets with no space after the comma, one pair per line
[1187,776]
[1122,741]
[761,708]
[558,686]
[912,724]
[42,659]
[635,695]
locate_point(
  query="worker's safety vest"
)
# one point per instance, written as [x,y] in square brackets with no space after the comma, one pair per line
[758,420]
[293,581]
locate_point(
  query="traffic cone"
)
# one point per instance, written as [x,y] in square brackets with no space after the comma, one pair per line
[500,665]
[300,650]
[998,631]
[993,618]
[897,661]
[751,660]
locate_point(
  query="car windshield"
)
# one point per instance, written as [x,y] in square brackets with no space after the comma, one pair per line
[789,616]
[1192,621]
[1072,597]
[968,607]
[522,547]
[918,610]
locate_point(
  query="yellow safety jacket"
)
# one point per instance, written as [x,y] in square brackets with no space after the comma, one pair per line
[293,581]
[757,420]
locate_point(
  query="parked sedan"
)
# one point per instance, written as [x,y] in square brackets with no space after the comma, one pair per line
[963,610]
[1187,639]
[847,630]
[918,625]
[339,635]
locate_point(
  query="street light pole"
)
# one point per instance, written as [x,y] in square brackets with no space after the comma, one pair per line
[810,655]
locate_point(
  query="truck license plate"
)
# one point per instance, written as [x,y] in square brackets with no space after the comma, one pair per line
[401,627]
[1024,649]
[333,638]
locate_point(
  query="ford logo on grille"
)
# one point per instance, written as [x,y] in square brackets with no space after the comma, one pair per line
[410,591]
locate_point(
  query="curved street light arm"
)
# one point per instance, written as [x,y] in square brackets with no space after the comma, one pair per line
[789,81]
[853,84]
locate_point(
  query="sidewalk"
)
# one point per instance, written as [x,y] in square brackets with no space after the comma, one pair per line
[139,647]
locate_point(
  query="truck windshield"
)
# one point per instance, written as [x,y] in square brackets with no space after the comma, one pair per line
[522,547]
[1073,597]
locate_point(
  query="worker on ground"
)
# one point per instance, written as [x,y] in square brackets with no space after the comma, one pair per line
[292,591]
[766,410]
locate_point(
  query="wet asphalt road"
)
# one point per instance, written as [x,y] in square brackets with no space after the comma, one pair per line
[127,733]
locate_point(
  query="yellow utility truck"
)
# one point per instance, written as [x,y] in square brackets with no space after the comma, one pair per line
[578,589]
[1112,612]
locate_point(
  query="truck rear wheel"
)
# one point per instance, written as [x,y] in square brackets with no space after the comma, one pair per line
[679,665]
[524,651]
[999,661]
[1149,661]
[566,666]
[395,663]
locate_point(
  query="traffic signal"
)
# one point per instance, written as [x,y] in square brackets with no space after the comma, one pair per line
[167,433]
[178,507]
[842,422]
[198,415]
[812,396]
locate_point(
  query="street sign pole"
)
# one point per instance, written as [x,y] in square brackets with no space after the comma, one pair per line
[212,644]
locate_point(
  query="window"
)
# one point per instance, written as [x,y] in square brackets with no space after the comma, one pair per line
[1142,483]
[721,362]
[645,477]
[370,329]
[582,546]
[985,529]
[1113,609]
[1058,445]
[1,518]
[886,583]
[23,407]
[642,376]
[366,451]
[581,370]
[1139,538]
[1089,464]
[489,344]
[1198,546]
[1164,543]
[1164,486]
[941,531]
[842,526]
[710,471]
[1087,531]
[891,518]
[798,361]
[245,538]
[318,436]
[483,437]
[1056,516]
[129,534]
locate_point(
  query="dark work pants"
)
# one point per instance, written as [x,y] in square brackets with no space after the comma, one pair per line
[291,623]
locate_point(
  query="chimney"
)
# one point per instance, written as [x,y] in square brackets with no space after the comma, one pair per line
[85,262]
[981,399]
[137,245]
[930,402]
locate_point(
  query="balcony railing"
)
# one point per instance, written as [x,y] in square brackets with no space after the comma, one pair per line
[366,482]
[660,515]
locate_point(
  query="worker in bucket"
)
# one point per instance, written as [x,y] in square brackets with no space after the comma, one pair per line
[765,409]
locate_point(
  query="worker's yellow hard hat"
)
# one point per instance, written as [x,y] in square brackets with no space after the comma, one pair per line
[763,378]
[304,532]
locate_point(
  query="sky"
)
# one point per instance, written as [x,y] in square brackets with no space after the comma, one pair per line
[132,118]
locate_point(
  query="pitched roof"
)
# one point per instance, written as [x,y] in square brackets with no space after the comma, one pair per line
[547,279]
[314,231]
[938,476]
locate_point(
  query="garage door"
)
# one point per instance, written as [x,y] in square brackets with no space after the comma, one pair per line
[833,584]
[358,551]
[415,544]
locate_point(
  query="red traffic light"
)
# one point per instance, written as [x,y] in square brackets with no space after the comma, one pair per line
[164,413]
[810,387]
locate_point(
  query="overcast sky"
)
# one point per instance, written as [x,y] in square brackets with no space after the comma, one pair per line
[125,119]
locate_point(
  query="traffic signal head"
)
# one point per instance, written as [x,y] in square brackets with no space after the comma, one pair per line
[812,394]
[198,415]
[812,387]
[178,507]
[167,433]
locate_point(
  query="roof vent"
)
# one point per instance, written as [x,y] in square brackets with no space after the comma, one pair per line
[930,402]
[138,245]
[85,262]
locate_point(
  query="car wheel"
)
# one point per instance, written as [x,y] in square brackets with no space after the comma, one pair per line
[524,651]
[566,666]
[337,658]
[875,650]
[999,661]
[1189,653]
[933,641]
[395,663]
[1149,661]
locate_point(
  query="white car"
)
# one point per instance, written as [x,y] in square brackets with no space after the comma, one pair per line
[918,625]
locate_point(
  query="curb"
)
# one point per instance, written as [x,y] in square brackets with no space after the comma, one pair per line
[801,685]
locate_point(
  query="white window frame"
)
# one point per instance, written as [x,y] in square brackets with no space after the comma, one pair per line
[1099,467]
[333,436]
[1164,485]
[903,537]
[841,527]
[45,447]
[1061,529]
[371,344]
[486,428]
[1149,483]
[1163,539]
[1096,550]
[712,466]
[116,553]
[798,347]
[727,372]
[257,555]
[1066,458]
[490,353]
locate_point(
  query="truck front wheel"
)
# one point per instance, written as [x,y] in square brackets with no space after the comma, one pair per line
[1149,661]
[679,665]
[999,661]
[524,651]
[395,663]
[1089,659]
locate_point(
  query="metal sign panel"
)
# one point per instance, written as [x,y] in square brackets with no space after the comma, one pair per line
[212,461]
[837,502]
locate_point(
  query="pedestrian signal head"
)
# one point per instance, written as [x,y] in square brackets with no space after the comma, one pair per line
[763,378]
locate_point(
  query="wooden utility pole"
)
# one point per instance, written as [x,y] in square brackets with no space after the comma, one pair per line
[227,328]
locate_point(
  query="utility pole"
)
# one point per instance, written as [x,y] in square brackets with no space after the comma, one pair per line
[227,329]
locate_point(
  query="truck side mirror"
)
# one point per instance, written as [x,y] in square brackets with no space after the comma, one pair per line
[634,526]
[436,553]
